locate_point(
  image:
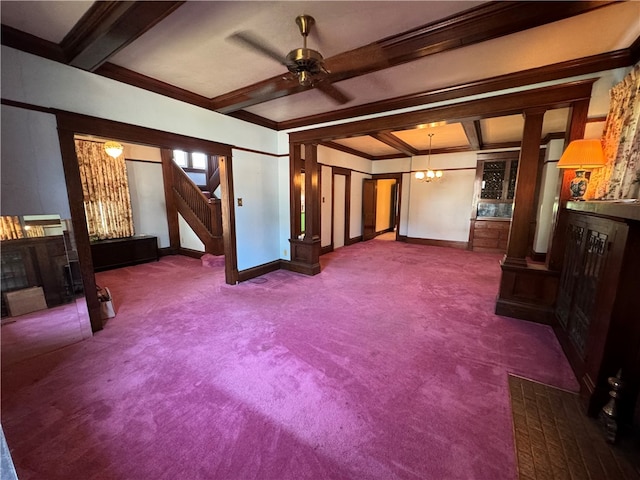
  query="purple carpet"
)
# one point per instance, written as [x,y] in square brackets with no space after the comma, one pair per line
[390,364]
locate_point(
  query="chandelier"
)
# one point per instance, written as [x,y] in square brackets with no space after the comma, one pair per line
[429,175]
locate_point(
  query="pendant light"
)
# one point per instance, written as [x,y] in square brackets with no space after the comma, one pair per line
[429,175]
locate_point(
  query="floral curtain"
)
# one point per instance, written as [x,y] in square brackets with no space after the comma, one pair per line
[10,228]
[105,192]
[620,178]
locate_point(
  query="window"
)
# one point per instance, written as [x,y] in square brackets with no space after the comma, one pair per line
[194,164]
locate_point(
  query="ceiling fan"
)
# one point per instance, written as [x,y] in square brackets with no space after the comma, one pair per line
[304,64]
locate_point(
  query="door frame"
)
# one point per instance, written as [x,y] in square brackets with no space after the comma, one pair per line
[70,124]
[347,202]
[398,178]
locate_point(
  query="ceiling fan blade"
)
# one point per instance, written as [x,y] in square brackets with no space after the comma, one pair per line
[249,40]
[333,92]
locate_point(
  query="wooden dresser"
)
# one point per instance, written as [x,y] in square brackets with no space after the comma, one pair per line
[598,302]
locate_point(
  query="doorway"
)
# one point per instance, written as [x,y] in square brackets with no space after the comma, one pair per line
[380,207]
[339,210]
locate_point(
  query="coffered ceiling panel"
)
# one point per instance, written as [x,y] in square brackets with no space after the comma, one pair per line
[367,145]
[444,136]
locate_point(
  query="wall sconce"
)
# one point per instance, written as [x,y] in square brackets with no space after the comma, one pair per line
[582,155]
[113,149]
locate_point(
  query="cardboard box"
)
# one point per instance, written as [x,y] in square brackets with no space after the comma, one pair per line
[24,301]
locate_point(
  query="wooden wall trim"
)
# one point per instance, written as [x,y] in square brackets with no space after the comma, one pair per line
[124,75]
[435,243]
[25,42]
[89,125]
[249,273]
[27,106]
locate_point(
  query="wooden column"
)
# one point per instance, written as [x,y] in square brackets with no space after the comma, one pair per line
[79,223]
[225,167]
[172,211]
[311,195]
[527,291]
[305,251]
[524,202]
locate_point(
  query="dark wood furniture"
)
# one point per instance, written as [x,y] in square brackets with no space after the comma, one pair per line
[598,302]
[37,262]
[493,201]
[122,252]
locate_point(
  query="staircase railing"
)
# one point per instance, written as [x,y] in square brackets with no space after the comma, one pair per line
[204,215]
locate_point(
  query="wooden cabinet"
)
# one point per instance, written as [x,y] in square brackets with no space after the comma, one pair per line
[121,252]
[598,302]
[37,262]
[494,190]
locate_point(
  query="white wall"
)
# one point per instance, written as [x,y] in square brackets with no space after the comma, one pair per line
[188,238]
[548,188]
[37,81]
[336,158]
[32,175]
[256,181]
[442,210]
[284,207]
[405,196]
[146,189]
[355,219]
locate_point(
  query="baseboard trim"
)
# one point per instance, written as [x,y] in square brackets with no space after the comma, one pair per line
[253,272]
[437,243]
[538,257]
[353,240]
[525,311]
[303,268]
[327,249]
[187,252]
[166,251]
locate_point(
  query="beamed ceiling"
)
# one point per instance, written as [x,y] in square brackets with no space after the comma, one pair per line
[381,55]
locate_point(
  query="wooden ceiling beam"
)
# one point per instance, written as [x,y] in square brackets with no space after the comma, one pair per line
[473,132]
[485,22]
[345,149]
[109,26]
[390,139]
[555,96]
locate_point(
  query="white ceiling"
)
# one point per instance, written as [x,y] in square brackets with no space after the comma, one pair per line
[190,49]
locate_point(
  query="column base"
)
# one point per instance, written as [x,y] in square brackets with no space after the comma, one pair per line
[305,256]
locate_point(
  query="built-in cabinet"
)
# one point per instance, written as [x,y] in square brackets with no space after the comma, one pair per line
[495,187]
[598,301]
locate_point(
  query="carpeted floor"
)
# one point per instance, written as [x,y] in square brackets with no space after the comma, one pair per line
[390,364]
[555,440]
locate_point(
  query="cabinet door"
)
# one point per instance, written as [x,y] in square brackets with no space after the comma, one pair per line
[575,235]
[586,255]
[592,262]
